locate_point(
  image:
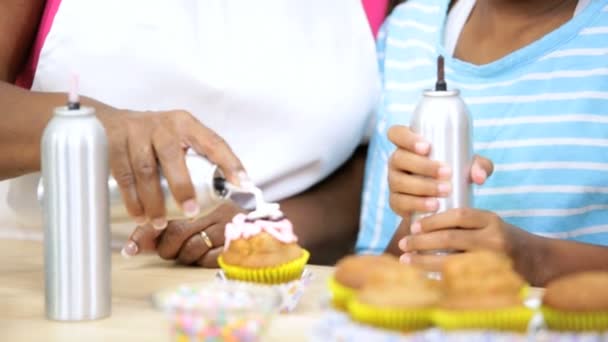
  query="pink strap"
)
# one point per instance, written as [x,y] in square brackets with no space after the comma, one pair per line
[376,12]
[26,76]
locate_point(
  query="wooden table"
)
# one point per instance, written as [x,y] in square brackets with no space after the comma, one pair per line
[133,317]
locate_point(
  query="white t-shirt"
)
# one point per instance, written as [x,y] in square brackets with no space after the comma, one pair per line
[290,84]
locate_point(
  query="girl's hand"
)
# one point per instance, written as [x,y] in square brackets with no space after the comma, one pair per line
[415,181]
[463,230]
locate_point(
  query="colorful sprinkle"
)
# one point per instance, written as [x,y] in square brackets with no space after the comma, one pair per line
[219,311]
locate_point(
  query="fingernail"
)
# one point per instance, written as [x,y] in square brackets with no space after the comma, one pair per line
[140,220]
[445,171]
[444,188]
[191,208]
[405,259]
[481,173]
[422,147]
[244,178]
[129,250]
[159,223]
[403,244]
[431,204]
[416,228]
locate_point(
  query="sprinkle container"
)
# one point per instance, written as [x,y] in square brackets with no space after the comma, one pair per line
[218,311]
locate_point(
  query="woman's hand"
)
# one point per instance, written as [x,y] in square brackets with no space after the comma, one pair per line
[415,181]
[463,230]
[189,242]
[143,143]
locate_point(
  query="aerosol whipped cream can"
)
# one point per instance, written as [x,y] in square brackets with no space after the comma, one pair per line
[209,183]
[74,152]
[442,119]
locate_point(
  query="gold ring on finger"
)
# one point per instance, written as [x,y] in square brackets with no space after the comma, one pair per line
[206,239]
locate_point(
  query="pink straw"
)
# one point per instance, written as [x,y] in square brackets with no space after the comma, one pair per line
[73,94]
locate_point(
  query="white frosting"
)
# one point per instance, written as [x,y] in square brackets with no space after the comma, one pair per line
[263,209]
[266,210]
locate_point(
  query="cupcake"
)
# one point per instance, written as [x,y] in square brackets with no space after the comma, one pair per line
[482,291]
[261,247]
[352,272]
[401,299]
[577,302]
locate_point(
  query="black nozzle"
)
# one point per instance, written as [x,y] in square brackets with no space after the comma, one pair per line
[219,185]
[73,105]
[440,85]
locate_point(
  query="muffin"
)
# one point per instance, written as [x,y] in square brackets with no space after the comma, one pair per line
[401,299]
[353,271]
[480,280]
[482,291]
[261,247]
[577,302]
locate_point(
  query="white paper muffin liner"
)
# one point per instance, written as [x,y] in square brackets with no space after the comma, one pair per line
[291,292]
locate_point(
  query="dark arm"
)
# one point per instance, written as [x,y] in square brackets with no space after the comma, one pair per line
[326,217]
[23,114]
[538,259]
[18,24]
[23,118]
[546,259]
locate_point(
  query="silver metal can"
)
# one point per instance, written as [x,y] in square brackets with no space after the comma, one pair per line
[443,120]
[210,186]
[74,163]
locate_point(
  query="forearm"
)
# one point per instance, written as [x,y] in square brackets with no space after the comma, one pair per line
[24,116]
[327,215]
[552,258]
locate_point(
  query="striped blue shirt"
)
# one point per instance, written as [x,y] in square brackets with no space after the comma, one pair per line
[540,114]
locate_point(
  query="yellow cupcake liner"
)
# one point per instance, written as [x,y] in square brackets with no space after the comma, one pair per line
[508,319]
[390,318]
[340,294]
[575,321]
[267,275]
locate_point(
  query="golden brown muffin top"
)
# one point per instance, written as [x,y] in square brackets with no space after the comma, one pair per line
[481,279]
[353,271]
[581,292]
[475,263]
[406,287]
[481,302]
[261,250]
